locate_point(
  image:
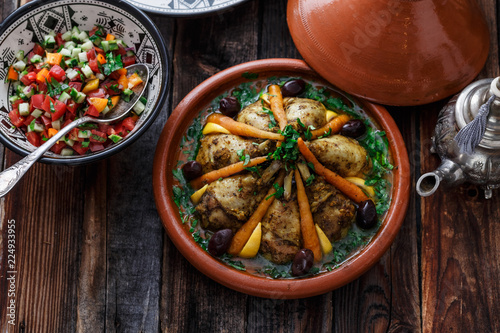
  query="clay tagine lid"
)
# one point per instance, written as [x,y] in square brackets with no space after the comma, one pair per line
[392,52]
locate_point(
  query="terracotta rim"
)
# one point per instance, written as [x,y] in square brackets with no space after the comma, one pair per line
[243,282]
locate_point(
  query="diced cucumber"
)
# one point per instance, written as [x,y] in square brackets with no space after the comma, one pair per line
[48,115]
[20,55]
[37,113]
[121,42]
[36,59]
[75,52]
[100,76]
[71,62]
[49,41]
[19,66]
[65,52]
[80,97]
[52,33]
[95,39]
[113,45]
[19,89]
[24,109]
[84,134]
[64,97]
[71,73]
[56,124]
[66,152]
[36,127]
[87,71]
[69,142]
[70,45]
[66,36]
[139,107]
[87,46]
[106,110]
[83,57]
[115,138]
[130,53]
[105,45]
[12,99]
[29,91]
[143,100]
[22,96]
[75,30]
[82,36]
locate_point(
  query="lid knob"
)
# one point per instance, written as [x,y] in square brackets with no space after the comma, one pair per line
[471,134]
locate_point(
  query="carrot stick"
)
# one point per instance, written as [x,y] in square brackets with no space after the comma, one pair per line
[335,125]
[276,101]
[307,228]
[242,129]
[225,172]
[352,191]
[243,234]
[12,75]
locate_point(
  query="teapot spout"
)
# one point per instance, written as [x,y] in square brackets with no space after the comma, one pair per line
[448,172]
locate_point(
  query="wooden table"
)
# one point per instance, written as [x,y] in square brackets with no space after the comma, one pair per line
[92,255]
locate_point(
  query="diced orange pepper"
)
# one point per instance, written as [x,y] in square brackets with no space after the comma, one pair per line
[101,58]
[54,58]
[114,101]
[42,75]
[134,80]
[123,81]
[12,75]
[134,117]
[110,37]
[99,103]
[52,132]
[121,71]
[91,86]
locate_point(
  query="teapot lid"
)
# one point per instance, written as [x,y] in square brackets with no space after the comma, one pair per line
[468,104]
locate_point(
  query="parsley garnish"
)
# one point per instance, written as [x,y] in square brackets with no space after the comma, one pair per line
[279,191]
[112,63]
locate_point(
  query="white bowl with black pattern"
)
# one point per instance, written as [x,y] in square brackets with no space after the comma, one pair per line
[29,23]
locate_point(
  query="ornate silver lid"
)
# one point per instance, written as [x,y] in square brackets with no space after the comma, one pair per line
[467,107]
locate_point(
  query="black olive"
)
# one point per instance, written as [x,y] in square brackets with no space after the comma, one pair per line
[220,241]
[192,170]
[353,128]
[293,88]
[229,106]
[302,262]
[366,216]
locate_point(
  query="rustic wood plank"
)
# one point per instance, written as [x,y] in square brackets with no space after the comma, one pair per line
[193,302]
[460,230]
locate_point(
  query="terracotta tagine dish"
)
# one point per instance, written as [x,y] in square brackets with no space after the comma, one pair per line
[392,52]
[275,183]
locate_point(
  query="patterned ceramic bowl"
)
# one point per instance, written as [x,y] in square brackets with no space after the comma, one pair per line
[32,21]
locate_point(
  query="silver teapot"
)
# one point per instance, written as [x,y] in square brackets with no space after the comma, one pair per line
[479,165]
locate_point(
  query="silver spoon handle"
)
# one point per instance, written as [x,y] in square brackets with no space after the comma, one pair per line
[10,176]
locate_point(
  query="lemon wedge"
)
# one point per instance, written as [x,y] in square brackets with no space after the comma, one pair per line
[196,196]
[266,98]
[361,183]
[214,128]
[324,242]
[330,115]
[252,246]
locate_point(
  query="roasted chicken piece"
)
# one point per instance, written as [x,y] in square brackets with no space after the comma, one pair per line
[343,155]
[229,202]
[255,115]
[220,150]
[331,210]
[310,113]
[281,230]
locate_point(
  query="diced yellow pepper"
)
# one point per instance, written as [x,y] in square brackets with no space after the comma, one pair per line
[91,86]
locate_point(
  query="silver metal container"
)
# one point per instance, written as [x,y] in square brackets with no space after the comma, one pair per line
[482,167]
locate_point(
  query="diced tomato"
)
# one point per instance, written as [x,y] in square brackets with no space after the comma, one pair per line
[69,116]
[58,147]
[76,85]
[42,87]
[15,118]
[91,54]
[28,120]
[92,111]
[15,105]
[98,136]
[127,61]
[57,73]
[72,106]
[100,93]
[103,127]
[113,88]
[128,123]
[37,101]
[99,50]
[28,78]
[121,50]
[59,40]
[46,121]
[46,103]
[96,146]
[79,148]
[93,64]
[73,135]
[37,49]
[34,138]
[66,122]
[118,129]
[60,109]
